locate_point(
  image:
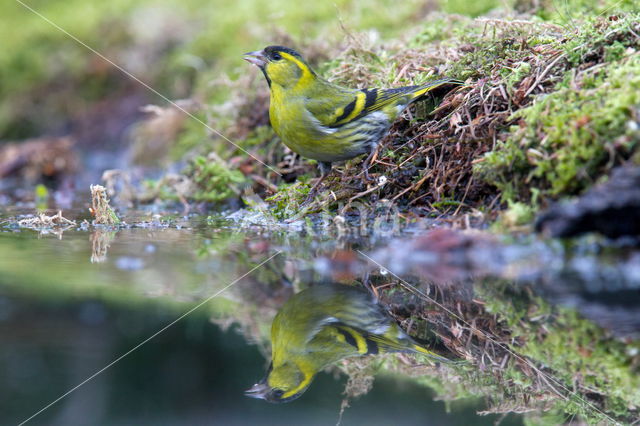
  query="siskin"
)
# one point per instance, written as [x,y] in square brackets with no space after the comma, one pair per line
[326,122]
[320,326]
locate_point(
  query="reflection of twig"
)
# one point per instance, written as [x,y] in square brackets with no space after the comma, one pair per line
[100,242]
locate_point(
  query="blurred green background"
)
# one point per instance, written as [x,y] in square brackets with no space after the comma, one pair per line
[47,79]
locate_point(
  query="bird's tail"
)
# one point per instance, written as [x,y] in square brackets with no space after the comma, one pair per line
[437,88]
[434,356]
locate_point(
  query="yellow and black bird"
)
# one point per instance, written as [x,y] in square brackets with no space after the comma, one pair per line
[320,326]
[326,122]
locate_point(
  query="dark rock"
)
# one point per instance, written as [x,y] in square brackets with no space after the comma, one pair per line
[611,209]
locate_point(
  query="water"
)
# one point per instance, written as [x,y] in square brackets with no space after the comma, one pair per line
[166,294]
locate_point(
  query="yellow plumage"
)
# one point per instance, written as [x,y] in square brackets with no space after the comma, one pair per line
[322,325]
[326,122]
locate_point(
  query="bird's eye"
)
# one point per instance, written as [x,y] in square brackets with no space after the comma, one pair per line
[276,56]
[278,393]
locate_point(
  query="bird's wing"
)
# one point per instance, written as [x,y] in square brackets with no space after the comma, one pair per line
[344,107]
[341,106]
[319,326]
[354,340]
[342,340]
[370,344]
[366,343]
[402,96]
[347,306]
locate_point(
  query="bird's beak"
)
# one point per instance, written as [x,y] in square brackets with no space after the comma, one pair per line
[256,58]
[258,391]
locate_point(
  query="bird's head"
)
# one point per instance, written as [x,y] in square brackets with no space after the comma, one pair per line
[282,384]
[282,66]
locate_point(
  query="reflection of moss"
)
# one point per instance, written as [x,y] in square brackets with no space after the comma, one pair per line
[581,354]
[101,240]
[592,366]
[587,374]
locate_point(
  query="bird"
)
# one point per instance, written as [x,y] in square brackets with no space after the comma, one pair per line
[327,122]
[322,325]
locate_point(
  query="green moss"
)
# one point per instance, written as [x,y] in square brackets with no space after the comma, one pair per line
[614,51]
[215,180]
[514,75]
[567,139]
[569,13]
[439,27]
[444,204]
[600,38]
[510,53]
[498,165]
[287,202]
[517,214]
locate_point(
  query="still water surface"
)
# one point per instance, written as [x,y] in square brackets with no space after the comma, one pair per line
[72,303]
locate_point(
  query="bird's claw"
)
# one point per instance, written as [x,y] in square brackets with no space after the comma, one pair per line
[367,177]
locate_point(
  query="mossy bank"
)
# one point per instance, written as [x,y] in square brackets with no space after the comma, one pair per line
[549,108]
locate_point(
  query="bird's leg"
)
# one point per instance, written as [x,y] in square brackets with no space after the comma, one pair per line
[367,163]
[325,169]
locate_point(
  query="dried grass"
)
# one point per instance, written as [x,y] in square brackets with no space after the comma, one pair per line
[43,221]
[44,224]
[100,208]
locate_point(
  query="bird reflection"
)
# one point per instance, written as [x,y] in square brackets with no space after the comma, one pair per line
[320,326]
